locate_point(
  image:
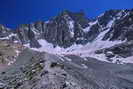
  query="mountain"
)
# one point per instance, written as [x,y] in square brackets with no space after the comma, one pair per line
[69,51]
[62,30]
[74,33]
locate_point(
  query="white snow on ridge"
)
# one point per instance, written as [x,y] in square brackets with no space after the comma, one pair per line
[82,50]
[128,60]
[101,15]
[87,29]
[71,27]
[111,23]
[84,66]
[48,47]
[8,37]
[11,35]
[71,24]
[79,50]
[4,38]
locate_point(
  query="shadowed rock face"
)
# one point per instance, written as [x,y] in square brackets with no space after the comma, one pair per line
[68,28]
[26,35]
[34,70]
[62,30]
[122,28]
[4,31]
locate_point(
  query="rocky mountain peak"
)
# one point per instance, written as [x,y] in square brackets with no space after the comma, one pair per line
[78,17]
[69,28]
[109,15]
[122,28]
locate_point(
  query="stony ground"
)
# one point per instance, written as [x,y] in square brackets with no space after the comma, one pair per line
[34,70]
[9,51]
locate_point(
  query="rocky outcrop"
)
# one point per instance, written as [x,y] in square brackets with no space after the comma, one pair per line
[4,32]
[26,35]
[122,27]
[123,50]
[9,52]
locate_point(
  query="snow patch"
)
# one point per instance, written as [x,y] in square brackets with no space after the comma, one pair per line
[111,23]
[128,60]
[85,59]
[84,66]
[68,59]
[87,50]
[87,29]
[71,27]
[8,37]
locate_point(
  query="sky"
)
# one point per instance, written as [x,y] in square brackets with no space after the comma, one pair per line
[16,12]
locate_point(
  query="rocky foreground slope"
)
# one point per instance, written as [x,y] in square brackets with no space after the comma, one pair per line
[69,51]
[9,52]
[34,70]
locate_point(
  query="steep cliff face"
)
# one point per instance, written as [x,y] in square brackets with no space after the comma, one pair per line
[122,28]
[69,28]
[62,30]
